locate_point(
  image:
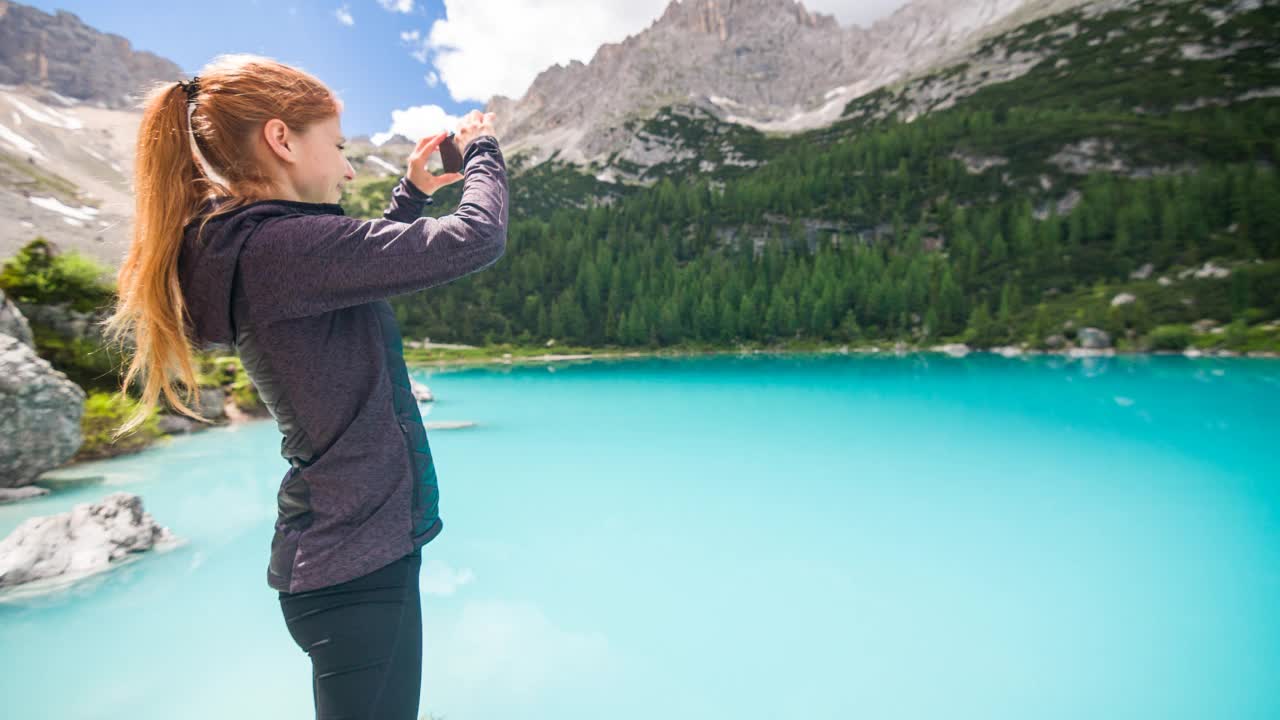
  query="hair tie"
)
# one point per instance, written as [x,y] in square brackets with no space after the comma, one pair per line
[191,87]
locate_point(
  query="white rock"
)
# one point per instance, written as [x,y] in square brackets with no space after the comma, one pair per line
[1209,270]
[448,424]
[85,540]
[1122,299]
[952,349]
[1143,272]
[8,495]
[421,392]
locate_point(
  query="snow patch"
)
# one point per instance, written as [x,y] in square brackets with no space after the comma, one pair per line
[48,116]
[20,142]
[84,212]
[724,101]
[382,164]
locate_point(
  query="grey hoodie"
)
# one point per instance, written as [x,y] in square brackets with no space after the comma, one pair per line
[299,291]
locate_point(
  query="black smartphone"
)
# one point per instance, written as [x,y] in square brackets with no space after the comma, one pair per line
[450,155]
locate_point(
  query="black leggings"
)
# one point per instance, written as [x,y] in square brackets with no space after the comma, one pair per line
[364,637]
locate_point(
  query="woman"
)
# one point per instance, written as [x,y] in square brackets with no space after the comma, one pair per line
[239,242]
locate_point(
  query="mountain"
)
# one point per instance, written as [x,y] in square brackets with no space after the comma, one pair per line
[60,54]
[768,64]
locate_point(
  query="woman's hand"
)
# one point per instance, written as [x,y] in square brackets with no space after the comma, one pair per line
[471,126]
[418,174]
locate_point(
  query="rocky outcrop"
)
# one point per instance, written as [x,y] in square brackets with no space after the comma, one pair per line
[40,411]
[12,322]
[87,539]
[66,321]
[1093,338]
[60,53]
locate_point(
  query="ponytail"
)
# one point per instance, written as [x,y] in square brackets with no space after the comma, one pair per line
[150,308]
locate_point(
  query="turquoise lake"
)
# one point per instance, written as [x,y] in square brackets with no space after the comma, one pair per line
[804,536]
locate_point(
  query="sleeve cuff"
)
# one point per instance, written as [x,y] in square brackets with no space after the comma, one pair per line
[413,190]
[478,144]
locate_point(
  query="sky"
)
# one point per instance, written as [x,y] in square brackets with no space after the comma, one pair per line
[400,66]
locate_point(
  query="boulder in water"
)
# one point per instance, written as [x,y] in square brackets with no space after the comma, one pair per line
[421,392]
[8,495]
[85,540]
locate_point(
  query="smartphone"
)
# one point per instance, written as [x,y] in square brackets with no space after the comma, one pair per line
[450,156]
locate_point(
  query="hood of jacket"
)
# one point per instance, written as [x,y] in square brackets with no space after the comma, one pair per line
[207,264]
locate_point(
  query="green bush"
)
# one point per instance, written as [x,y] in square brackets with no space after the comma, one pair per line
[85,363]
[103,414]
[40,274]
[1169,337]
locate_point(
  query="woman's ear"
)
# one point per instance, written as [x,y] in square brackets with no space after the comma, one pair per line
[277,135]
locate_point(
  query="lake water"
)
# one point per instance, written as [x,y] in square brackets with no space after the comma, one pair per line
[766,537]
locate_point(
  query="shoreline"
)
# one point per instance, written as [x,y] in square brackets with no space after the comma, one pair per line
[897,351]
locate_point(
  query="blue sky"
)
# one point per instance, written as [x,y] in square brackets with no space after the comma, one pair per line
[366,63]
[406,66]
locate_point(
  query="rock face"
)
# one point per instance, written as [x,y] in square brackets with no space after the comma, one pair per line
[66,321]
[60,53]
[40,412]
[84,540]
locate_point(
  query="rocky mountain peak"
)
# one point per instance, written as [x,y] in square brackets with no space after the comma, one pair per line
[723,19]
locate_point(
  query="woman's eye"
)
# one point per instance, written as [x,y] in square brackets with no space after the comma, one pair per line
[342,147]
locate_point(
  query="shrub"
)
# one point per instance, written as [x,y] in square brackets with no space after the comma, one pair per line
[1169,337]
[40,274]
[103,414]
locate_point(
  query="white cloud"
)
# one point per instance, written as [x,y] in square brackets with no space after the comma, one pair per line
[432,79]
[497,47]
[482,49]
[439,578]
[402,6]
[344,16]
[417,121]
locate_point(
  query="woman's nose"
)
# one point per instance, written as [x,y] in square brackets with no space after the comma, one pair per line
[351,172]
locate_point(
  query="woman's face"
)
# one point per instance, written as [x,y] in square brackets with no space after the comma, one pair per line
[316,166]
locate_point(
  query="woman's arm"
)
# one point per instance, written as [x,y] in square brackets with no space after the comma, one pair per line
[300,265]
